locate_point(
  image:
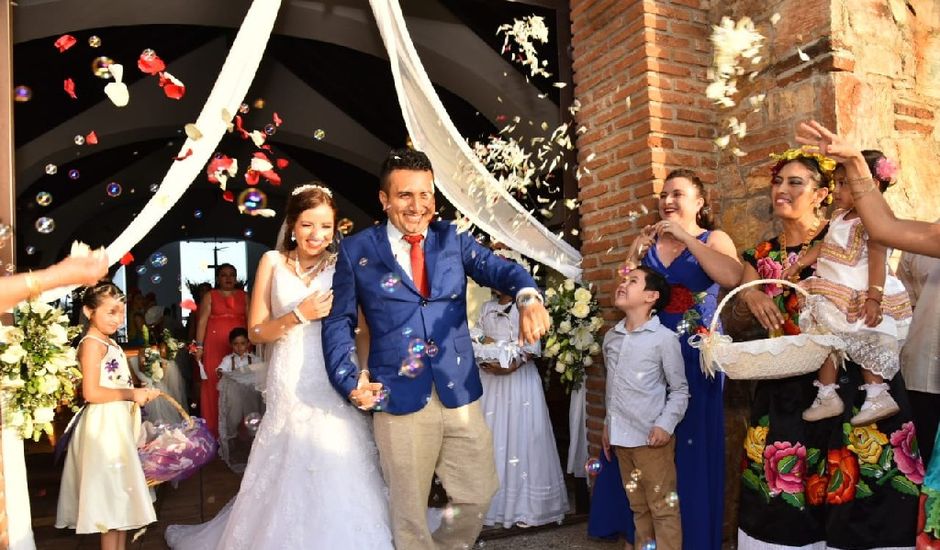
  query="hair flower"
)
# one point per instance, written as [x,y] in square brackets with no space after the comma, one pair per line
[886,170]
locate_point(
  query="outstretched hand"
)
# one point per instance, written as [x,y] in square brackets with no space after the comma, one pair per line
[534,322]
[826,142]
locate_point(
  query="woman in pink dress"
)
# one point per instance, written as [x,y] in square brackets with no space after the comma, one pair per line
[221,310]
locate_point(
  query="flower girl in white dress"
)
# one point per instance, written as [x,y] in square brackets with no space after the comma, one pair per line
[313,478]
[532,487]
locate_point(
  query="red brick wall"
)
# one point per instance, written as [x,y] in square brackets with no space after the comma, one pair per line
[639,72]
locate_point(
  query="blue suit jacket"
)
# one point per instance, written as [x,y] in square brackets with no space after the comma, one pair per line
[395,318]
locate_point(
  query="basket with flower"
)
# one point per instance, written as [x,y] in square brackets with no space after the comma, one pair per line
[572,341]
[38,368]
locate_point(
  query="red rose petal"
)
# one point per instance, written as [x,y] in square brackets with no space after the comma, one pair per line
[91,138]
[186,155]
[228,196]
[69,87]
[252,177]
[188,304]
[272,177]
[277,120]
[65,42]
[173,91]
[127,259]
[151,64]
[282,163]
[241,129]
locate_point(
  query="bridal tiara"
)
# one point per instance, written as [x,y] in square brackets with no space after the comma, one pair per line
[311,187]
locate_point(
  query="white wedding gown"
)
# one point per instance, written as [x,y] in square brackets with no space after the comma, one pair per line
[313,477]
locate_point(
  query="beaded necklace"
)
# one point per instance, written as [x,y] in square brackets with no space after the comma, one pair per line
[785,255]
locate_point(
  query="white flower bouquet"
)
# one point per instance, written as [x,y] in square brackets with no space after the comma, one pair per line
[155,357]
[38,368]
[572,340]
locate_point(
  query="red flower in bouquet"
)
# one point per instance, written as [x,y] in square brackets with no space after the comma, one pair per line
[680,299]
[842,467]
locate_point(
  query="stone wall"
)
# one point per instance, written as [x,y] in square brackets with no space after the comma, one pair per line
[869,68]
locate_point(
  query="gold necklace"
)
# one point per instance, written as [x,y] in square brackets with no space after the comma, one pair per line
[785,254]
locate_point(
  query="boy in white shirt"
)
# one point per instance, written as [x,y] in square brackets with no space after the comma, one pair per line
[240,357]
[647,395]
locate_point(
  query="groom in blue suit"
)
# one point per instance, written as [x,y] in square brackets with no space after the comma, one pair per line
[408,278]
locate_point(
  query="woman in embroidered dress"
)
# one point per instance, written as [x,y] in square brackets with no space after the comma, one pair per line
[696,260]
[825,484]
[221,310]
[855,296]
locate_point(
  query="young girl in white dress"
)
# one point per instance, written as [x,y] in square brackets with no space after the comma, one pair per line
[313,478]
[532,487]
[103,488]
[855,295]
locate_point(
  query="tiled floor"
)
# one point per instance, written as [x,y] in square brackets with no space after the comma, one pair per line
[200,497]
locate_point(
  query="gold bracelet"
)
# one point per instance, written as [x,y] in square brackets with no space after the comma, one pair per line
[33,288]
[858,193]
[879,288]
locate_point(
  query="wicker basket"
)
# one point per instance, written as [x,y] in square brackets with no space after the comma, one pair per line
[768,358]
[202,446]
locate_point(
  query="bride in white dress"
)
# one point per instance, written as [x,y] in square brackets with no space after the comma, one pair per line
[312,479]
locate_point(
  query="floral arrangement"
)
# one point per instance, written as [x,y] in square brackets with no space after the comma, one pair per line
[575,321]
[684,301]
[803,476]
[153,359]
[38,368]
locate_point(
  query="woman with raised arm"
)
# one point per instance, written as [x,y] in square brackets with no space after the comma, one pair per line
[883,226]
[825,484]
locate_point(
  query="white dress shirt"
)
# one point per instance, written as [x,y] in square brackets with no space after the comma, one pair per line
[920,356]
[238,363]
[646,383]
[401,249]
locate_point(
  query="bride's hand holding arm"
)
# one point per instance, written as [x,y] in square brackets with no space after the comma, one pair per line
[262,328]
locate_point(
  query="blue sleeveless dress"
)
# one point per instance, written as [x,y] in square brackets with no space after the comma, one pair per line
[700,437]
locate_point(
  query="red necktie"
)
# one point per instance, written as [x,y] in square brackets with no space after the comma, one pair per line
[418,274]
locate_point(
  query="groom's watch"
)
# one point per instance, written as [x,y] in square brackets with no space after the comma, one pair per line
[525,299]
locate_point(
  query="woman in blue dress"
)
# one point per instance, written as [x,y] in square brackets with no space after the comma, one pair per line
[696,261]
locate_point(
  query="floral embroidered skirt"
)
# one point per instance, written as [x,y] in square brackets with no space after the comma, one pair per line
[809,482]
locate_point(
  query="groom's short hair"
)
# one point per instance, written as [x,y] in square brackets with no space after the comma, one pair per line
[403,159]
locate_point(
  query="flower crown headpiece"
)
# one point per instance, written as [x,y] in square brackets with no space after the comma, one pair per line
[826,165]
[311,187]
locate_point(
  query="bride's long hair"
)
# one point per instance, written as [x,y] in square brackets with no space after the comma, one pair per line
[302,198]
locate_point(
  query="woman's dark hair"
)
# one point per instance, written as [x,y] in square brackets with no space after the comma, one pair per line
[403,159]
[655,281]
[705,218]
[236,332]
[301,202]
[94,295]
[220,267]
[872,156]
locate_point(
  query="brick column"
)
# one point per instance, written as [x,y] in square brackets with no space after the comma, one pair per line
[639,72]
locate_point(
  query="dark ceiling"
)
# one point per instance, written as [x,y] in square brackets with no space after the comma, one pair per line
[357,83]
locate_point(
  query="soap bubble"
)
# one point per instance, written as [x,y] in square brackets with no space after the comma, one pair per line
[411,367]
[43,198]
[593,466]
[114,189]
[45,225]
[390,282]
[158,259]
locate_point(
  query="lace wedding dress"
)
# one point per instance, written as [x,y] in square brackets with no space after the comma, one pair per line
[313,478]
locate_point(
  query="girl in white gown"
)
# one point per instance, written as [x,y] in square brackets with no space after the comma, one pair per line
[531,483]
[313,479]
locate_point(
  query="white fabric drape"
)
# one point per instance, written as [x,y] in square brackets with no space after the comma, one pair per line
[577,430]
[460,176]
[227,95]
